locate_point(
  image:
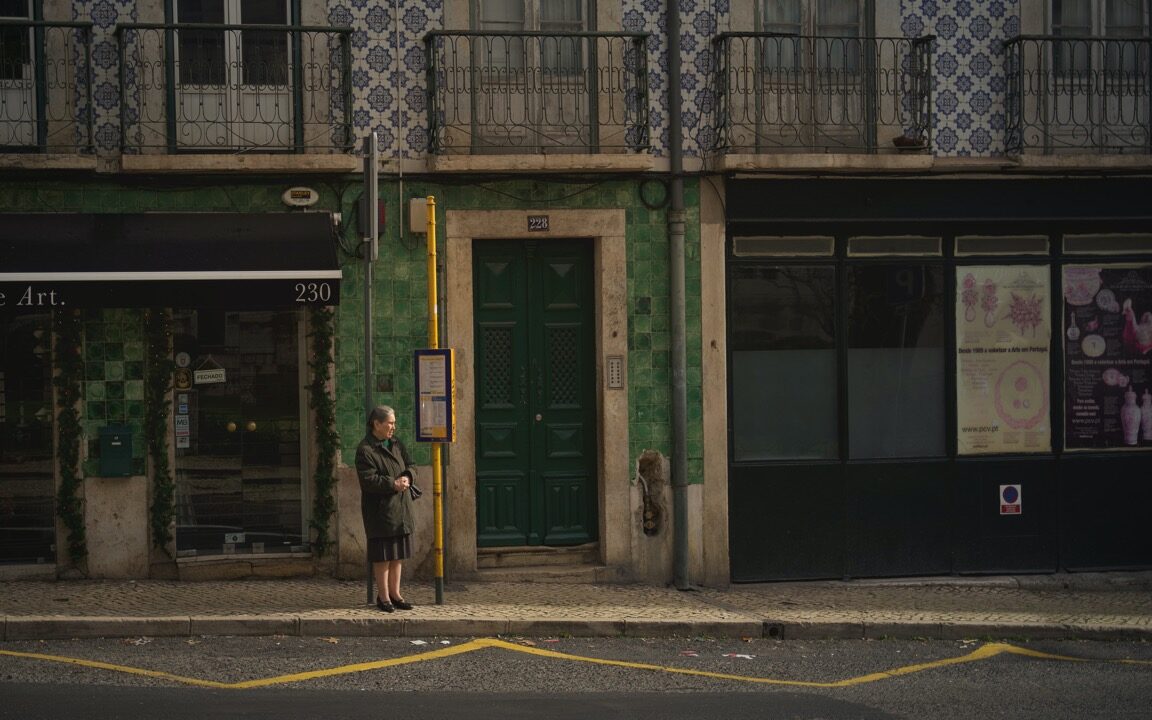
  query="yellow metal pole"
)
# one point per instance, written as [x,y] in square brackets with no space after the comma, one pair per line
[434,343]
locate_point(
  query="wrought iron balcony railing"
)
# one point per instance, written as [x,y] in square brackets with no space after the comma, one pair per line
[780,93]
[235,88]
[45,86]
[1080,95]
[537,92]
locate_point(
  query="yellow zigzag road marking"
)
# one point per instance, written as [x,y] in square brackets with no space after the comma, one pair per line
[984,652]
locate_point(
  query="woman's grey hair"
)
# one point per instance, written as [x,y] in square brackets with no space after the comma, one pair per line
[381,413]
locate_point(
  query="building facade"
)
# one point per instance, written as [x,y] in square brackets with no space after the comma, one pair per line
[852,288]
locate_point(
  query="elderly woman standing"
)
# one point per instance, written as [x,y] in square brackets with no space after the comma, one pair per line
[386,473]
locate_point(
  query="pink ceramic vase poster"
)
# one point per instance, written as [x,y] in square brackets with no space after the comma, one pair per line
[1107,354]
[1003,341]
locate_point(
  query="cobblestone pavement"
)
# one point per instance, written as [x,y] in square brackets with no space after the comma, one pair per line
[1097,605]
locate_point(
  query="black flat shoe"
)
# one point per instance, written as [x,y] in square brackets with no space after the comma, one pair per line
[401,605]
[383,606]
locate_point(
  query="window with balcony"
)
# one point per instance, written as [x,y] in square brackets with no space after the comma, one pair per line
[17,77]
[232,84]
[536,76]
[532,79]
[1084,87]
[45,67]
[813,76]
[235,75]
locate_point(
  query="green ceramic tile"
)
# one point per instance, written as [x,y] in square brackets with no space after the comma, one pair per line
[133,370]
[114,370]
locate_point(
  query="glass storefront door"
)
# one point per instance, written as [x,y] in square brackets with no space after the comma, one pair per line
[236,420]
[27,489]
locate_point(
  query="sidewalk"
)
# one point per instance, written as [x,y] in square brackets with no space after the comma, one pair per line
[1084,606]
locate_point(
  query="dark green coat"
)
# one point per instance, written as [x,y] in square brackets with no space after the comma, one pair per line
[386,512]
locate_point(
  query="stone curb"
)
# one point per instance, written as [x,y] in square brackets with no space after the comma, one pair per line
[57,628]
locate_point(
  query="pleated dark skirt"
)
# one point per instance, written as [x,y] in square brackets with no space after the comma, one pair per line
[398,547]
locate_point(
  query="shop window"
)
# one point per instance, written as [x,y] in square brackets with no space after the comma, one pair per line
[784,246]
[1108,244]
[1107,335]
[27,502]
[1001,245]
[895,361]
[1003,341]
[784,362]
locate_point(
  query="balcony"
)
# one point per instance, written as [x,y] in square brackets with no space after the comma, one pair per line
[537,93]
[1087,96]
[45,87]
[781,93]
[235,88]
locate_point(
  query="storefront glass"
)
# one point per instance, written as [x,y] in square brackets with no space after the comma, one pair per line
[237,433]
[27,523]
[1107,356]
[895,357]
[784,362]
[1003,340]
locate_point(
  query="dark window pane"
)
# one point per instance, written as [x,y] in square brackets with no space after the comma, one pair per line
[14,9]
[200,11]
[15,54]
[896,383]
[265,57]
[784,363]
[778,307]
[202,57]
[264,12]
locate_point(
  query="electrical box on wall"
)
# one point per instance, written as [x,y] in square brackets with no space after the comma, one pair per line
[615,372]
[115,451]
[418,215]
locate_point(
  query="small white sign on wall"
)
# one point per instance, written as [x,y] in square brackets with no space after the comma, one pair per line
[1010,500]
[207,377]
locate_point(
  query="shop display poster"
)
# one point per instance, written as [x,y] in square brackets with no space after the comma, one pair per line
[1003,346]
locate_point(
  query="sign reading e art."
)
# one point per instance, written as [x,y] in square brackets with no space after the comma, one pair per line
[30,296]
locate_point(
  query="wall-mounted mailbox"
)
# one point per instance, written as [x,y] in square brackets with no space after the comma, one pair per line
[115,451]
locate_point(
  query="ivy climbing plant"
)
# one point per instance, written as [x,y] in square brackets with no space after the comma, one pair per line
[68,330]
[320,363]
[158,403]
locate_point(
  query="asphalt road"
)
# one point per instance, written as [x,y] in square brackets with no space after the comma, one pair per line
[230,677]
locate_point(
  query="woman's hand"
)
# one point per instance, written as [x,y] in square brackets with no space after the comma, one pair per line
[401,483]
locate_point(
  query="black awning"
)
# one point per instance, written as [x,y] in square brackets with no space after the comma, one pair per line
[216,260]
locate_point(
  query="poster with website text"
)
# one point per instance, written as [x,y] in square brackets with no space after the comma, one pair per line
[1003,341]
[1107,358]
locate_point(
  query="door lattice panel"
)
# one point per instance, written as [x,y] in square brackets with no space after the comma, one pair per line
[496,344]
[563,377]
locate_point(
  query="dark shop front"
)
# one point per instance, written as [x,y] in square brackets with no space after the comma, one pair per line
[185,338]
[935,376]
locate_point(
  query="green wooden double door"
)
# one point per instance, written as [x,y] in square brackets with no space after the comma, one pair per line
[535,393]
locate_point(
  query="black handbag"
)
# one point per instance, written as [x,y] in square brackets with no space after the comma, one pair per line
[414,491]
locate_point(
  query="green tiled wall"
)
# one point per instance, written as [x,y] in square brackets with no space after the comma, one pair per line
[113,387]
[401,316]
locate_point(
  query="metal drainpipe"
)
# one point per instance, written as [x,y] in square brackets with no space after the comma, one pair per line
[676,303]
